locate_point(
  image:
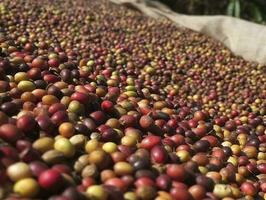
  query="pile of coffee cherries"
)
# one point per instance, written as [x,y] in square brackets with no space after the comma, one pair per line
[100,102]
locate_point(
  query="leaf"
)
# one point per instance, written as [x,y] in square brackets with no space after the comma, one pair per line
[255,12]
[230,8]
[237,9]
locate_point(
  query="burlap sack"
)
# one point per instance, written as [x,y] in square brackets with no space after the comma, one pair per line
[244,38]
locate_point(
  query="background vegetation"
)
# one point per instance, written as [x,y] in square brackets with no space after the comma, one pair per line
[253,10]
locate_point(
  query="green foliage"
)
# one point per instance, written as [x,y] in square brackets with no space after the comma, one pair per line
[253,10]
